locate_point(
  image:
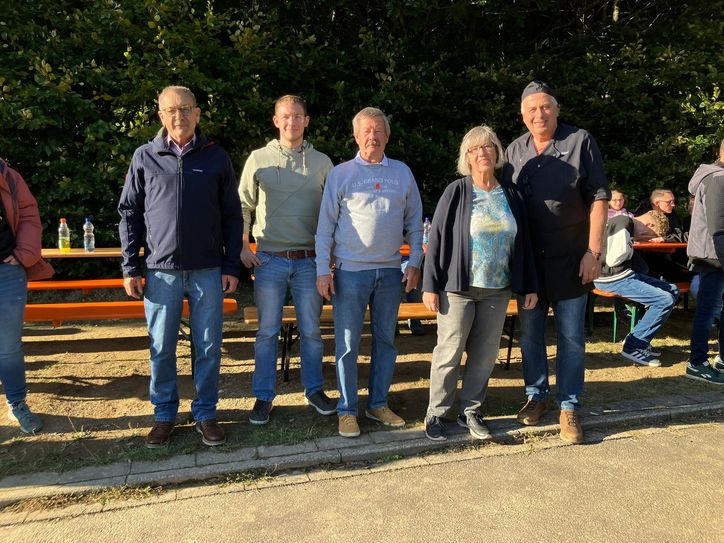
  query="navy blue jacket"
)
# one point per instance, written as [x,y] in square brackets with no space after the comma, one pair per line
[447,261]
[184,211]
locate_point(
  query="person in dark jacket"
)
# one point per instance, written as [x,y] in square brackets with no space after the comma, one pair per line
[706,256]
[624,273]
[20,261]
[478,252]
[180,204]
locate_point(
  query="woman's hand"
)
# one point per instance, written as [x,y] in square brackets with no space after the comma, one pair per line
[11,260]
[431,301]
[530,300]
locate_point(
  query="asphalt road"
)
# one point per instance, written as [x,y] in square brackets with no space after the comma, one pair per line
[662,485]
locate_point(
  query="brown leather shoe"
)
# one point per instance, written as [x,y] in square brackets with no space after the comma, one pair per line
[160,434]
[532,412]
[571,431]
[211,433]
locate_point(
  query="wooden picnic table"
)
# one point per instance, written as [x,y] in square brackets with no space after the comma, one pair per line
[662,247]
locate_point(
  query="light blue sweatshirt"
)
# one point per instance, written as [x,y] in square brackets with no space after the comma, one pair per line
[367,212]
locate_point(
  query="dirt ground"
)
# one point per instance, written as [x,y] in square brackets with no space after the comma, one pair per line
[89,383]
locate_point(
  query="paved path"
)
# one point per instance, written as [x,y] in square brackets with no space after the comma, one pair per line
[658,485]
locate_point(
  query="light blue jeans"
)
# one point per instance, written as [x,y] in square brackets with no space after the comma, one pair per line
[381,289]
[657,296]
[13,295]
[163,300]
[570,355]
[271,280]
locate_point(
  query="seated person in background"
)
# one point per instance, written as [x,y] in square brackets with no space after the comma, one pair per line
[651,226]
[616,205]
[623,272]
[663,200]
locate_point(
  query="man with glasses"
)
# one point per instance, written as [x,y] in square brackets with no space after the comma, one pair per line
[663,200]
[281,185]
[180,204]
[560,171]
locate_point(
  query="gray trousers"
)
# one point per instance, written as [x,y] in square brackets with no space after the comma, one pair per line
[469,322]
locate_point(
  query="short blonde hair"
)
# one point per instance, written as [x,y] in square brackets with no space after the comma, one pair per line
[291,99]
[660,221]
[479,135]
[371,112]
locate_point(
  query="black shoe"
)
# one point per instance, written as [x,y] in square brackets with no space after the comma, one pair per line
[322,403]
[415,327]
[260,413]
[435,429]
[474,423]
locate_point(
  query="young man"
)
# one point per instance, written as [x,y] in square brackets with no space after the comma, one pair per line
[281,186]
[180,204]
[624,273]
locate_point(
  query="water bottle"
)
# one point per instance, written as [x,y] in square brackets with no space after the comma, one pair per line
[63,237]
[426,227]
[89,239]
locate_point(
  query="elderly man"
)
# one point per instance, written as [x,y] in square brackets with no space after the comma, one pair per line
[180,203]
[368,203]
[560,171]
[706,256]
[282,185]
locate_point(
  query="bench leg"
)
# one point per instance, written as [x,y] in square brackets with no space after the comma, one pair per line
[511,332]
[287,339]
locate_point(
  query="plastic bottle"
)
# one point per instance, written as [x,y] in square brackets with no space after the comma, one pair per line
[89,238]
[426,227]
[63,237]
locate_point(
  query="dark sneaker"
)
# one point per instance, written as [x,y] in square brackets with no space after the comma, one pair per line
[641,356]
[435,429]
[571,431]
[474,423]
[718,364]
[260,413]
[415,326]
[211,433]
[160,434]
[532,412]
[21,413]
[704,372]
[654,351]
[322,403]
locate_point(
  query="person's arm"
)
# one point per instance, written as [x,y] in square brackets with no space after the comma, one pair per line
[324,238]
[590,266]
[413,228]
[131,228]
[248,196]
[28,233]
[714,205]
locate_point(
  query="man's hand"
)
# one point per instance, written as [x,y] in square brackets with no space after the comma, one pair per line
[229,283]
[530,300]
[589,269]
[325,286]
[133,286]
[248,258]
[11,260]
[411,277]
[431,301]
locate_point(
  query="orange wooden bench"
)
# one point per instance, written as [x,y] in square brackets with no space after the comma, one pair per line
[85,285]
[406,311]
[88,311]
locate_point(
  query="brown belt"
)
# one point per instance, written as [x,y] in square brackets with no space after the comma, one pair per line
[293,255]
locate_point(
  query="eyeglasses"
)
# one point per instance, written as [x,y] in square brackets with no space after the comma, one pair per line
[296,118]
[183,110]
[669,202]
[487,148]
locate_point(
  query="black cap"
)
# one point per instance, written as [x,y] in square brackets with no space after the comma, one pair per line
[537,86]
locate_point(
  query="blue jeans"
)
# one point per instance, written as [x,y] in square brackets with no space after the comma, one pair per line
[709,305]
[381,289]
[163,300]
[271,280]
[13,294]
[657,296]
[570,355]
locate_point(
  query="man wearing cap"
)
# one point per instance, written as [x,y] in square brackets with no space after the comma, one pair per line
[560,171]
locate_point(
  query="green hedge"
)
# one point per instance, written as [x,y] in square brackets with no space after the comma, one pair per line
[79,82]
